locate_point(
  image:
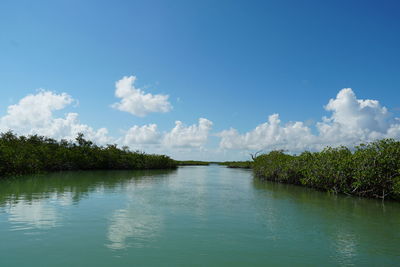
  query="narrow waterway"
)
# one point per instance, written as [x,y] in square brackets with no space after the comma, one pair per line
[192,216]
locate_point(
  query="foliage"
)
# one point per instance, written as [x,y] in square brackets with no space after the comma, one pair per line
[237,164]
[192,163]
[371,170]
[277,166]
[32,154]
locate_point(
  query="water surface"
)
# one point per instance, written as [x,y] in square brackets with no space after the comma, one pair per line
[192,216]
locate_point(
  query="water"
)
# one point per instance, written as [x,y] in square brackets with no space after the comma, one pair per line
[193,216]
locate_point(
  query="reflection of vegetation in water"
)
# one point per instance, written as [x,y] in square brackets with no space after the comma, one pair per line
[372,170]
[33,154]
[289,207]
[76,184]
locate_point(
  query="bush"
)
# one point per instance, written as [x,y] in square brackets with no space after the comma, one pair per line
[372,170]
[25,155]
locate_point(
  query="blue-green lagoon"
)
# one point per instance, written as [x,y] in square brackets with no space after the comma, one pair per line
[192,216]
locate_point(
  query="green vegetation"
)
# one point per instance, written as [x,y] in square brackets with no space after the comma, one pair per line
[33,154]
[237,164]
[371,170]
[192,163]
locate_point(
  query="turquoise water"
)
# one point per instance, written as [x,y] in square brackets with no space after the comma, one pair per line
[192,216]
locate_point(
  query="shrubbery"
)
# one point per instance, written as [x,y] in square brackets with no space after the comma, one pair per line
[25,155]
[237,164]
[371,170]
[192,163]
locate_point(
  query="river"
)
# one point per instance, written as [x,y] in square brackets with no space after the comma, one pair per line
[192,216]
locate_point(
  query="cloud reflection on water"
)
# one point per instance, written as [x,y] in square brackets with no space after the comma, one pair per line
[130,227]
[139,222]
[34,214]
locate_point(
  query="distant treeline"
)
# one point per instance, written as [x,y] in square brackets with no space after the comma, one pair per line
[237,164]
[192,163]
[371,170]
[229,164]
[32,154]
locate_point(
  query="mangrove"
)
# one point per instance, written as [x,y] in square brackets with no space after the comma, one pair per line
[237,164]
[32,154]
[369,170]
[192,163]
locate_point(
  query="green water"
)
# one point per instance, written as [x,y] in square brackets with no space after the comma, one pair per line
[192,216]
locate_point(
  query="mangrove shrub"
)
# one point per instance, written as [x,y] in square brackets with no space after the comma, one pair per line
[370,170]
[32,154]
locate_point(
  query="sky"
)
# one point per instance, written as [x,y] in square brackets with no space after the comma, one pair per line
[203,80]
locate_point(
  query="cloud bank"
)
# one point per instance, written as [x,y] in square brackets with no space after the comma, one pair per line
[188,136]
[352,121]
[136,101]
[181,136]
[141,135]
[34,114]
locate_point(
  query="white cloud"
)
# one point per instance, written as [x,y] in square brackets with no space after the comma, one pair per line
[33,111]
[180,137]
[352,121]
[146,134]
[34,114]
[136,101]
[188,136]
[271,135]
[353,113]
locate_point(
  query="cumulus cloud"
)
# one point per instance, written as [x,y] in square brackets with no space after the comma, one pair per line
[146,134]
[136,101]
[353,113]
[188,136]
[34,114]
[270,134]
[352,121]
[181,136]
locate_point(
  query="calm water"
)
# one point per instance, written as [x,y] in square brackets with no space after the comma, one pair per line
[193,216]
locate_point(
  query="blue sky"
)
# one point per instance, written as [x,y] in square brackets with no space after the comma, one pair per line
[234,63]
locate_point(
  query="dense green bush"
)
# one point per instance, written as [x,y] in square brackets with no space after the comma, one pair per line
[330,170]
[277,166]
[192,163]
[371,170]
[24,155]
[237,164]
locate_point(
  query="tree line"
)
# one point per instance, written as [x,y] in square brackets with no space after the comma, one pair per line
[370,170]
[33,154]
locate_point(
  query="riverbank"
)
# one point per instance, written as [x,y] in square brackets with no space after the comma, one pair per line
[28,155]
[371,170]
[192,163]
[237,164]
